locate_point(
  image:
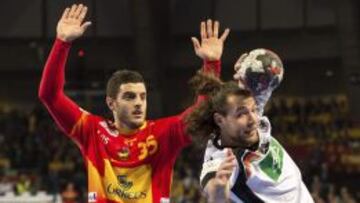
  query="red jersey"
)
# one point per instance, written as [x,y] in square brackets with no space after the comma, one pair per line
[121,167]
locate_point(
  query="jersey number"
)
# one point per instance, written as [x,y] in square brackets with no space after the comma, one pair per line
[147,148]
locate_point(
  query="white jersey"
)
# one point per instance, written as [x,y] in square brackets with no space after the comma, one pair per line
[265,175]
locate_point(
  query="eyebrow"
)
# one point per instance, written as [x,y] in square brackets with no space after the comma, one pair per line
[240,109]
[128,92]
[133,92]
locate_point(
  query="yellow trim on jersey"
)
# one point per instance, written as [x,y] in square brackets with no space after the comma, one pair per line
[126,131]
[79,122]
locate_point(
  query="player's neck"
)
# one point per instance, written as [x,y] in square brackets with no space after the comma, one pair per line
[126,129]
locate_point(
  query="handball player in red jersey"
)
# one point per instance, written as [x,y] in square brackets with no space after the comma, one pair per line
[129,159]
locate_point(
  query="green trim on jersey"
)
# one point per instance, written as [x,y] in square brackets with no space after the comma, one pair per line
[272,164]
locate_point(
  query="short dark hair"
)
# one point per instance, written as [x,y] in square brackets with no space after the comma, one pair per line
[200,123]
[122,77]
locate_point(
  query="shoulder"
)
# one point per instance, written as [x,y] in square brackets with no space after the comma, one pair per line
[167,123]
[167,120]
[211,152]
[90,119]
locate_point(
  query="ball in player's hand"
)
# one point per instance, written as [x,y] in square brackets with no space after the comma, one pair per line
[260,70]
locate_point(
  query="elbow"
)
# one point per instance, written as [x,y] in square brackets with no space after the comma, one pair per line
[45,96]
[42,93]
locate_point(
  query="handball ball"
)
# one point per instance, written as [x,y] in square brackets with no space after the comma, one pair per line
[260,70]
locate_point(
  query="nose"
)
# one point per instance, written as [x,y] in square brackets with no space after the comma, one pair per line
[138,102]
[253,118]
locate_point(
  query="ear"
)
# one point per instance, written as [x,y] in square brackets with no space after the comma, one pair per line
[219,119]
[110,103]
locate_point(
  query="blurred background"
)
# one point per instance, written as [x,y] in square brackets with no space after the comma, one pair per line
[315,113]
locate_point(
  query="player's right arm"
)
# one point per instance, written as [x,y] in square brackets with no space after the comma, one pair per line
[51,91]
[217,168]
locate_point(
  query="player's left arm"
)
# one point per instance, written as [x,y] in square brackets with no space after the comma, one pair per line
[209,49]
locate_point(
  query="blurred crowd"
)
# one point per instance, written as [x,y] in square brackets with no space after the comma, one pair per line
[317,133]
[35,156]
[324,141]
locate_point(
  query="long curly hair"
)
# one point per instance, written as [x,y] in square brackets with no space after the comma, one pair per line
[200,122]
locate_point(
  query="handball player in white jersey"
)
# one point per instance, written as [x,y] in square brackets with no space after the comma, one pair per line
[243,162]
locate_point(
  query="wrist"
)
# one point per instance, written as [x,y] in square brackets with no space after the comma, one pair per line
[62,42]
[63,38]
[212,62]
[211,58]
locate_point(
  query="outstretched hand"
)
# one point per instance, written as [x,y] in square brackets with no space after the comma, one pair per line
[211,46]
[71,26]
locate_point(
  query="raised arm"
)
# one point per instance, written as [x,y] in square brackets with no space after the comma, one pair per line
[209,49]
[70,27]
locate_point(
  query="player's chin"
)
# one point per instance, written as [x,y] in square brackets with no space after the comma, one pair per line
[137,122]
[251,138]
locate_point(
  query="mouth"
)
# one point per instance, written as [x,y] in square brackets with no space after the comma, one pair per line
[137,114]
[249,132]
